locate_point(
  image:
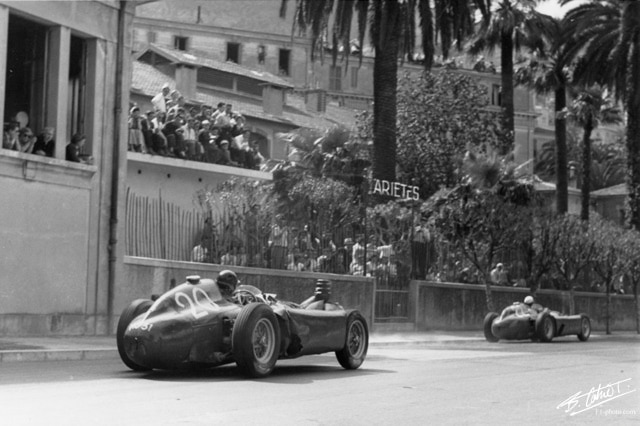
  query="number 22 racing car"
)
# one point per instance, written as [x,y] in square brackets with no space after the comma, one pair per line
[206,323]
[529,320]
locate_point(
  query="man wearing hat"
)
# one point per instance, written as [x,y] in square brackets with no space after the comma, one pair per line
[345,256]
[159,101]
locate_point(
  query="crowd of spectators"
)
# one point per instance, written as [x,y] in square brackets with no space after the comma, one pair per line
[205,134]
[22,139]
[289,248]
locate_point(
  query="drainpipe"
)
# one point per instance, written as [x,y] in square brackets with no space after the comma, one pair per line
[115,166]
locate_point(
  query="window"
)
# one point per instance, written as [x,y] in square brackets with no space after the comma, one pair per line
[496,95]
[354,78]
[262,54]
[335,78]
[25,82]
[180,43]
[151,37]
[233,52]
[77,87]
[284,62]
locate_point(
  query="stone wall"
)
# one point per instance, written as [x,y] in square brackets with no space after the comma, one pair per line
[450,306]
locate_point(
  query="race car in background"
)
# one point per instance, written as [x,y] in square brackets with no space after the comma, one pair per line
[521,321]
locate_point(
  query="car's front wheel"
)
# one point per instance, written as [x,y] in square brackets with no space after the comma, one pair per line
[134,309]
[352,355]
[585,328]
[545,327]
[488,321]
[256,340]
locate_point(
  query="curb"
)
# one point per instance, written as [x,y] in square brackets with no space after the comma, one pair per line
[35,355]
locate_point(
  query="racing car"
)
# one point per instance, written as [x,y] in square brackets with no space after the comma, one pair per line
[205,323]
[529,320]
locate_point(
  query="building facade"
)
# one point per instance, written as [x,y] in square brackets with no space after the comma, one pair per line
[66,65]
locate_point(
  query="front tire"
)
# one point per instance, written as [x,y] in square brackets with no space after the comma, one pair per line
[488,321]
[585,329]
[134,309]
[256,340]
[352,355]
[545,327]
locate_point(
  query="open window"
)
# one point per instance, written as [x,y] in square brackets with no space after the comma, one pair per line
[233,52]
[284,62]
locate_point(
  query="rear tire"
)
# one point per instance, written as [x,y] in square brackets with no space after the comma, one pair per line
[134,309]
[352,355]
[585,328]
[545,327]
[256,340]
[488,334]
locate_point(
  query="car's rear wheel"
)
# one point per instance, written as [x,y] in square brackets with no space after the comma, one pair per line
[585,328]
[256,340]
[545,327]
[134,309]
[352,355]
[488,320]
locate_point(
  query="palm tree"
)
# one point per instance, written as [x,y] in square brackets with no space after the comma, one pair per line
[511,25]
[588,109]
[545,73]
[392,28]
[604,40]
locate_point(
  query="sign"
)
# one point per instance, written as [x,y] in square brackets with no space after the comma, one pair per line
[395,189]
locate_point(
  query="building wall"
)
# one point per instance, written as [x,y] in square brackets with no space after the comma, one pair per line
[54,227]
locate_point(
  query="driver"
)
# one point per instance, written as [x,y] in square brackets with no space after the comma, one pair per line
[530,302]
[227,282]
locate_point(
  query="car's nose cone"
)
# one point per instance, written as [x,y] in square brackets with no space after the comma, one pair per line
[159,344]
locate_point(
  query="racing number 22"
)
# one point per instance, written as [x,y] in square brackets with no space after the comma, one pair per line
[197,305]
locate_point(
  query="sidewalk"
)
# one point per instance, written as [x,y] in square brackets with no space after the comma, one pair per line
[64,348]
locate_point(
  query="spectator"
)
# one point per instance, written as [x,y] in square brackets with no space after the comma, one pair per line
[280,241]
[74,150]
[173,132]
[257,158]
[294,264]
[499,275]
[200,252]
[159,101]
[26,141]
[195,150]
[10,137]
[419,251]
[345,255]
[225,155]
[136,137]
[45,144]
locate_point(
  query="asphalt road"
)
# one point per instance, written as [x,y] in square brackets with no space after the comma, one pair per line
[467,382]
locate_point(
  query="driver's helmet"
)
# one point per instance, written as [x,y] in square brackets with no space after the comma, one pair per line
[227,281]
[528,300]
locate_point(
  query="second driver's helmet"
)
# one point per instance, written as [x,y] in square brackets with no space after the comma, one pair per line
[528,300]
[227,281]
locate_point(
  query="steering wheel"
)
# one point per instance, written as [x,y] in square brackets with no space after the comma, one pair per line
[246,294]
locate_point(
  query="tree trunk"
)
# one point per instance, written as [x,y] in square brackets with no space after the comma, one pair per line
[633,118]
[562,179]
[506,62]
[385,88]
[586,170]
[635,298]
[608,309]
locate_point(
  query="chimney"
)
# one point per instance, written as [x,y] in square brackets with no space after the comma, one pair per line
[315,100]
[186,78]
[272,99]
